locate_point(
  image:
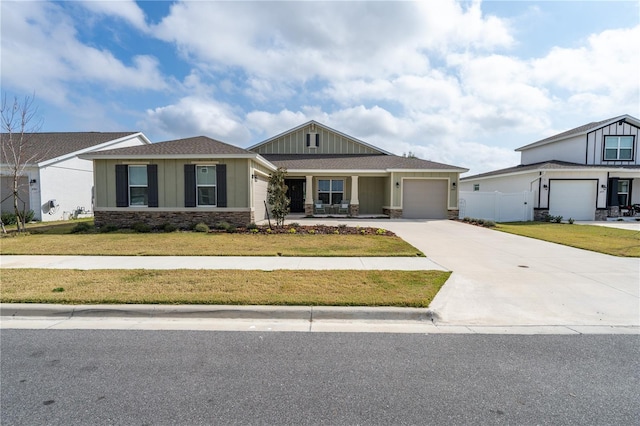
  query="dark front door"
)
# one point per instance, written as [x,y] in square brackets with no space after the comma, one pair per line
[295,192]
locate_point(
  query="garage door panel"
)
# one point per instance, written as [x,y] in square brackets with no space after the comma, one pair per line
[573,199]
[424,199]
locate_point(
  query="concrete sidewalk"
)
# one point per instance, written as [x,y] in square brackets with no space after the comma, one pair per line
[264,263]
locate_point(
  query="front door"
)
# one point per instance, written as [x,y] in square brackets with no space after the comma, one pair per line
[295,192]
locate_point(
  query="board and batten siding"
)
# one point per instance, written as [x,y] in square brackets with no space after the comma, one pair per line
[371,194]
[329,143]
[594,152]
[171,181]
[396,192]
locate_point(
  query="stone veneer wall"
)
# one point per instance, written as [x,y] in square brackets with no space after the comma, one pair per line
[614,211]
[453,214]
[539,214]
[181,219]
[354,210]
[601,214]
[308,210]
[392,213]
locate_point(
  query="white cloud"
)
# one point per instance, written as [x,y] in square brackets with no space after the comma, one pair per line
[41,53]
[193,116]
[127,10]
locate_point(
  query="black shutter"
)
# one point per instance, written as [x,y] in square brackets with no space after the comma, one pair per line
[152,185]
[613,192]
[221,185]
[122,185]
[317,139]
[308,139]
[189,185]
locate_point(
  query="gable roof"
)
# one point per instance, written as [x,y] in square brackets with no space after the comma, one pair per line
[547,165]
[320,125]
[580,130]
[47,146]
[351,162]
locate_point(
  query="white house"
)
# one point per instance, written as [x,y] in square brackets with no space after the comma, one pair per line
[56,183]
[588,173]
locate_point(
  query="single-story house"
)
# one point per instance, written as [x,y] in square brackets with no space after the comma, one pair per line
[55,182]
[590,172]
[199,179]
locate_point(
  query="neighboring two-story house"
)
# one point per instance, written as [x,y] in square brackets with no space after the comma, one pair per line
[588,173]
[199,179]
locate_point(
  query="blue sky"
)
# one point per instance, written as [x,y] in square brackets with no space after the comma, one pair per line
[463,83]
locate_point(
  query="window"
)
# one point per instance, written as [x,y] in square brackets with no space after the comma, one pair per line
[623,192]
[330,191]
[138,186]
[476,187]
[206,185]
[618,147]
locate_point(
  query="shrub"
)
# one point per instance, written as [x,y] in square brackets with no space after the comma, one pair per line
[570,220]
[466,219]
[223,226]
[9,218]
[269,230]
[556,219]
[480,221]
[381,231]
[336,232]
[312,231]
[108,228]
[81,228]
[254,230]
[169,227]
[489,224]
[141,227]
[292,230]
[252,226]
[546,217]
[295,224]
[231,229]
[203,227]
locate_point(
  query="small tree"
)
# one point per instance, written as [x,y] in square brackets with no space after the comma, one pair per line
[277,196]
[19,122]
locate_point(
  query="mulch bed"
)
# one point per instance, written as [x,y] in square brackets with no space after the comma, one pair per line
[311,230]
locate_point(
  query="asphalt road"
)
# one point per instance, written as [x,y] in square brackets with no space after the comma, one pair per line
[99,377]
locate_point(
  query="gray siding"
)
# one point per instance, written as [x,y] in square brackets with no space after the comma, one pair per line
[594,152]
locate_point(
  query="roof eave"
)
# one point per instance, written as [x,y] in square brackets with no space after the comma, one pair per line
[96,156]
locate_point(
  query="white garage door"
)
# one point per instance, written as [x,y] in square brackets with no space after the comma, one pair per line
[573,199]
[424,199]
[259,197]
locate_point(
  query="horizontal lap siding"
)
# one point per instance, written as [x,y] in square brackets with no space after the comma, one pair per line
[171,181]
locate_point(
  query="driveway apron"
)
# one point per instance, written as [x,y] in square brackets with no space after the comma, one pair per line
[504,279]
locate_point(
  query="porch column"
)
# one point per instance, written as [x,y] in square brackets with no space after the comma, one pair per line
[354,207]
[308,198]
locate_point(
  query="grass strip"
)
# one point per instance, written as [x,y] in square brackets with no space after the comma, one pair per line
[601,239]
[200,244]
[229,287]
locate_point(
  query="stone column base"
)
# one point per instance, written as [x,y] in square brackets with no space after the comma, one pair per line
[601,214]
[308,209]
[392,213]
[453,214]
[354,210]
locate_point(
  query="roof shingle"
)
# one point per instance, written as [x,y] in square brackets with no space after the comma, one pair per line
[198,145]
[46,146]
[353,162]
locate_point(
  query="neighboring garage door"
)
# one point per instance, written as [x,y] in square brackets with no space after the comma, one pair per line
[573,199]
[424,199]
[259,197]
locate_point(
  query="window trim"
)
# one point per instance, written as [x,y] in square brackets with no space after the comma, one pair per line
[618,193]
[198,185]
[331,191]
[618,149]
[129,185]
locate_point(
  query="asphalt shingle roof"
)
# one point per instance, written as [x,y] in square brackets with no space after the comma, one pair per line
[198,145]
[353,162]
[548,165]
[46,146]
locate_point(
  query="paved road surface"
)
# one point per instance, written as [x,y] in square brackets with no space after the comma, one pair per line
[194,378]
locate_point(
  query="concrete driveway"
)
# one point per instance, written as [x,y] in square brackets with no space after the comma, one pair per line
[504,279]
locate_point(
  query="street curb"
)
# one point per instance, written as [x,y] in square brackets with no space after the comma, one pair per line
[308,313]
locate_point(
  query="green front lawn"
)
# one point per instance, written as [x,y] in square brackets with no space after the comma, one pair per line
[616,242]
[227,287]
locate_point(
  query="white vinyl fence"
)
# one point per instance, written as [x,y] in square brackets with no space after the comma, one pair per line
[497,206]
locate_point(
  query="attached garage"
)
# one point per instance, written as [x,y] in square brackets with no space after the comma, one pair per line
[573,199]
[259,198]
[424,198]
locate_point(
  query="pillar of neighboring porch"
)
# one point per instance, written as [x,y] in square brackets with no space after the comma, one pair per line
[308,199]
[354,203]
